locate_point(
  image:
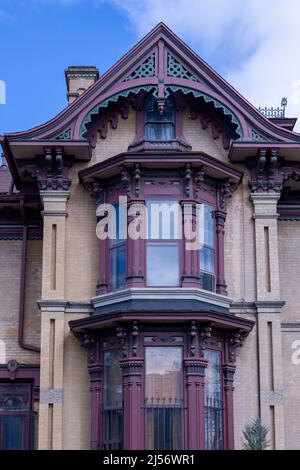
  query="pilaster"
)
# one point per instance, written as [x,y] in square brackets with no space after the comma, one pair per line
[268,315]
[52,320]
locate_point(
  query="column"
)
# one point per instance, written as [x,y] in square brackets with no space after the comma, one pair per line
[133,399]
[136,235]
[95,369]
[195,385]
[220,233]
[191,267]
[52,308]
[268,307]
[228,380]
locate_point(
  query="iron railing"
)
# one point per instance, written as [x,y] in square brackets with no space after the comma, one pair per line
[112,426]
[164,423]
[213,423]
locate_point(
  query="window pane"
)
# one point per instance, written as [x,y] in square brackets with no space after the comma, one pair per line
[15,402]
[159,131]
[164,219]
[208,281]
[159,126]
[113,401]
[206,225]
[119,223]
[213,402]
[12,432]
[164,398]
[162,264]
[152,114]
[118,267]
[207,259]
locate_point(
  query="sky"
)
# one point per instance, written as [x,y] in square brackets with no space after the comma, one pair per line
[254,44]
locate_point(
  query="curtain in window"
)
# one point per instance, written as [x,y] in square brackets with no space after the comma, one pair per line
[159,127]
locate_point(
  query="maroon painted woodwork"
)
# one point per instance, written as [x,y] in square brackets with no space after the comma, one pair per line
[198,161]
[50,170]
[190,189]
[24,372]
[191,267]
[220,233]
[228,389]
[95,368]
[103,280]
[160,40]
[131,338]
[135,248]
[195,419]
[21,341]
[133,403]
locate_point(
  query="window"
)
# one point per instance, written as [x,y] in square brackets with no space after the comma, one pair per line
[213,402]
[164,398]
[163,254]
[159,127]
[207,251]
[15,416]
[118,250]
[113,401]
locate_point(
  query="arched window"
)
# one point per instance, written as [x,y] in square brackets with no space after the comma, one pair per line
[159,127]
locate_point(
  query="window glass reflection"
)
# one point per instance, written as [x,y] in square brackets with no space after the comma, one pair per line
[162,264]
[164,398]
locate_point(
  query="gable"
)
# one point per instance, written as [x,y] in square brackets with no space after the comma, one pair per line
[160,62]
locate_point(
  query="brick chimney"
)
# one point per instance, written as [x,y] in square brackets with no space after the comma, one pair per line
[79,78]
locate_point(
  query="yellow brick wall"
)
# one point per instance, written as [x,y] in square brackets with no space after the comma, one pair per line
[10,272]
[289,248]
[76,408]
[117,140]
[201,139]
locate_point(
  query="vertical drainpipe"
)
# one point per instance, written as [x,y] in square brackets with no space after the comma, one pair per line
[22,344]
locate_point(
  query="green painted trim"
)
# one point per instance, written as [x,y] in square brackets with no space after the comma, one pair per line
[209,99]
[105,103]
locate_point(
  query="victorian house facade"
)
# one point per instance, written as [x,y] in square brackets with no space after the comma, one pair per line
[138,342]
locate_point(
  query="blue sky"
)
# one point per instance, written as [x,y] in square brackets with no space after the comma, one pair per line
[250,43]
[38,41]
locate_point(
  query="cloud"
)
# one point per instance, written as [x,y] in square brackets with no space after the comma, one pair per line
[252,43]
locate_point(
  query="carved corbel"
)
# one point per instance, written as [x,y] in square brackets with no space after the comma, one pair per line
[96,190]
[235,341]
[205,333]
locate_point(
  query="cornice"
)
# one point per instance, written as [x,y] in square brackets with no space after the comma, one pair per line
[197,159]
[151,293]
